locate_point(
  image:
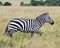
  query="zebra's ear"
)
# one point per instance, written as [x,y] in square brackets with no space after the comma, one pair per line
[46,13]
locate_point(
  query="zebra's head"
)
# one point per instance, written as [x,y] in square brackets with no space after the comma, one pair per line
[48,18]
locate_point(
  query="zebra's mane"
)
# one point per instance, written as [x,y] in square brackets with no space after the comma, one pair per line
[45,14]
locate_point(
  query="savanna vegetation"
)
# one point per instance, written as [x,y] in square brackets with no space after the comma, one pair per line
[51,33]
[32,3]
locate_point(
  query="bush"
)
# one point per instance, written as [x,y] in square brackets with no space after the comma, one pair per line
[7,4]
[22,3]
[33,3]
[51,3]
[1,3]
[37,3]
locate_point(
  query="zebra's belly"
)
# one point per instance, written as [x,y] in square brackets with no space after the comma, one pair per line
[30,29]
[27,29]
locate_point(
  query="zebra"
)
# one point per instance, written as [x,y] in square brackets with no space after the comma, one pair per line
[28,25]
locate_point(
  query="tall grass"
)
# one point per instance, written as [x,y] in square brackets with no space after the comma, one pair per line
[51,34]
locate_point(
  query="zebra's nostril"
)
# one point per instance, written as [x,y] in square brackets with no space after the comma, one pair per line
[52,23]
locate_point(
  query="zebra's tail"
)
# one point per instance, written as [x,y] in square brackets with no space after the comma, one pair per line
[6,30]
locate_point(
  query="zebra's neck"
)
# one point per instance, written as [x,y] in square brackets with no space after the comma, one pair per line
[40,21]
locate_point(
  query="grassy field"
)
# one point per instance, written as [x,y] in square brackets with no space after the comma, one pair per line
[51,33]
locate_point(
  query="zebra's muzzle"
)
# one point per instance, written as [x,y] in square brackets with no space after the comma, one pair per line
[52,23]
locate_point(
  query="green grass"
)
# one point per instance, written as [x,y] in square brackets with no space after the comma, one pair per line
[51,33]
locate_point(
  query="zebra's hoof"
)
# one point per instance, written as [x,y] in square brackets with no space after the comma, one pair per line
[41,34]
[10,35]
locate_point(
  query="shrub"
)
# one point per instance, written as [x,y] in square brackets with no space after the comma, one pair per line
[7,4]
[22,3]
[1,3]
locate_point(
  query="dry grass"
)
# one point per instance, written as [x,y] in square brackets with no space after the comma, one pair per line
[51,34]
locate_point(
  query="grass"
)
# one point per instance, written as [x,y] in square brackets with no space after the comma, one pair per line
[51,33]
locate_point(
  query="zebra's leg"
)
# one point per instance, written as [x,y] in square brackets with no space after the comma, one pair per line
[10,32]
[38,32]
[32,33]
